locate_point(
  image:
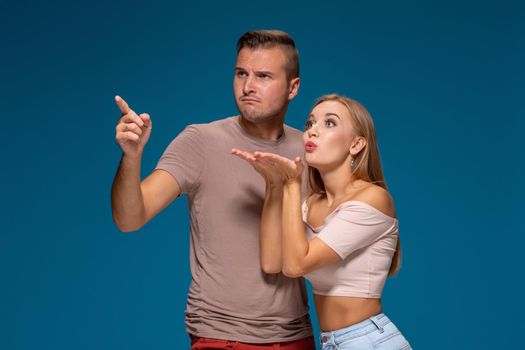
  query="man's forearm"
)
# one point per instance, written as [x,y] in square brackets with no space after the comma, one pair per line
[126,195]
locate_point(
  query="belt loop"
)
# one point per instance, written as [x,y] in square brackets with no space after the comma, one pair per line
[376,322]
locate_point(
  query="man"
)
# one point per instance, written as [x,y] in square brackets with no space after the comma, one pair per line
[231,300]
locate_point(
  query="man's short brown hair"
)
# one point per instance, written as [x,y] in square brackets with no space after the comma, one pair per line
[269,39]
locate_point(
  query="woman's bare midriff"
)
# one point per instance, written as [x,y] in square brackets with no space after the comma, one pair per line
[339,312]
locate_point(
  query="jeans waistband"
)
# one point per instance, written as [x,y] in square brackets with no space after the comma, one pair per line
[369,325]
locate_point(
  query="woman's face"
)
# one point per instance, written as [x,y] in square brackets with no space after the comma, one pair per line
[328,135]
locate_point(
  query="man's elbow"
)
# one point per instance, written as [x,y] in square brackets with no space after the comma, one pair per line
[126,227]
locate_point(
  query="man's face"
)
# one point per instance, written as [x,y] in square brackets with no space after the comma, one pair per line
[260,85]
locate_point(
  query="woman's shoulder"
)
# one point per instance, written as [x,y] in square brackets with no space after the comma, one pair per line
[376,197]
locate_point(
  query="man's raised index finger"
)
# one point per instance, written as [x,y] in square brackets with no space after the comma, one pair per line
[124,108]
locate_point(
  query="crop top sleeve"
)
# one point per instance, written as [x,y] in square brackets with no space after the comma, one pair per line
[354,226]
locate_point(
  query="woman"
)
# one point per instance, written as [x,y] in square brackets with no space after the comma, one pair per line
[344,237]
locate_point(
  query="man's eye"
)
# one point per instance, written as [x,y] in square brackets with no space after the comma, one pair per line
[241,74]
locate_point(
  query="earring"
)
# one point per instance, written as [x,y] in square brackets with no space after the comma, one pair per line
[352,163]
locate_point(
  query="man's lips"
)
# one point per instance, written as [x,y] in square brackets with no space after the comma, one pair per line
[310,146]
[248,99]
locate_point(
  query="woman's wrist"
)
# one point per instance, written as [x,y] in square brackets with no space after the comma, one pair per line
[292,185]
[293,182]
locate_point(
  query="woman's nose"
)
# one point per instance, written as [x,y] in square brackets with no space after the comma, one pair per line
[313,131]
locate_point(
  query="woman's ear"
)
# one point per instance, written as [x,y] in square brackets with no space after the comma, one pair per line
[358,144]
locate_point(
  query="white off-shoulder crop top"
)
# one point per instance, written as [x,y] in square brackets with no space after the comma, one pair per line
[365,238]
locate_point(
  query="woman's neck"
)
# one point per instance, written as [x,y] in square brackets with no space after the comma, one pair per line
[339,183]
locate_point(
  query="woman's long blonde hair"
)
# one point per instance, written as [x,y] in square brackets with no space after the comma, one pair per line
[367,164]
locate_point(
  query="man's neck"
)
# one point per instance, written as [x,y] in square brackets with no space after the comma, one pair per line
[271,130]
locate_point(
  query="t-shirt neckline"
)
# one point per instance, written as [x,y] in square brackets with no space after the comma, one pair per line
[256,139]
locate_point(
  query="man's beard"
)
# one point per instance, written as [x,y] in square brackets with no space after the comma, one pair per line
[256,117]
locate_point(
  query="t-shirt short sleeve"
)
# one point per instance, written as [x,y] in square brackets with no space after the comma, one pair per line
[354,226]
[184,158]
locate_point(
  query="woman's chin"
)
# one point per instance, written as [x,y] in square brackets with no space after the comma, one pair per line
[313,164]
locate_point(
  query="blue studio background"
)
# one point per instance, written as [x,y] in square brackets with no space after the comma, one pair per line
[442,79]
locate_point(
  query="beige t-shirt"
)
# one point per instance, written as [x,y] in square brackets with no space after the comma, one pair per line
[230,297]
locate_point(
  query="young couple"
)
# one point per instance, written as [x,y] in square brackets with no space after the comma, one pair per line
[253,234]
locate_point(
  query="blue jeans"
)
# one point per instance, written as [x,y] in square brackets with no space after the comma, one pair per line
[375,333]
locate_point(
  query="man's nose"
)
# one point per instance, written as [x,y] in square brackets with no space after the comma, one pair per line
[249,86]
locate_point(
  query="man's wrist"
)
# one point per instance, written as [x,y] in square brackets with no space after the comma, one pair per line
[274,186]
[133,158]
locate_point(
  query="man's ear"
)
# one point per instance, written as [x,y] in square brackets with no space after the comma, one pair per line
[294,88]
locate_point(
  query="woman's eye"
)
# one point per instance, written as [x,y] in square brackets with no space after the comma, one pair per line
[330,122]
[309,124]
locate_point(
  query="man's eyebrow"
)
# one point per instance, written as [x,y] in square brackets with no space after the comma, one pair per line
[264,72]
